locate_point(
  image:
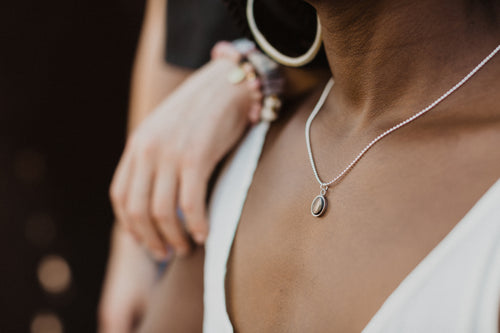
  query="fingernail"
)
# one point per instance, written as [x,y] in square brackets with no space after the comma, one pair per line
[199,238]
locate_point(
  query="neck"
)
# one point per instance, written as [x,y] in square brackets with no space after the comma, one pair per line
[383,52]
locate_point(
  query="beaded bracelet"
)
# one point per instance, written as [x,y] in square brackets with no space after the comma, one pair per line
[260,72]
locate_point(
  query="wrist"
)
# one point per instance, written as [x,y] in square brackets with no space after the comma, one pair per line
[261,75]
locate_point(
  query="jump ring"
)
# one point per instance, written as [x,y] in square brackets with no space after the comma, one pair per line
[324,188]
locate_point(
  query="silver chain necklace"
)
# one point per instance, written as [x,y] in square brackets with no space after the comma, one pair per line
[319,204]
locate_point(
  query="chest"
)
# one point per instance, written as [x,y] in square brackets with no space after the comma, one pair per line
[291,272]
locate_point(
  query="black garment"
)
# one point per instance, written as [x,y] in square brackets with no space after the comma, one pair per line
[193,27]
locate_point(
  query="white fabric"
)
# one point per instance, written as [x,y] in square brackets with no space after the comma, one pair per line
[456,288]
[225,208]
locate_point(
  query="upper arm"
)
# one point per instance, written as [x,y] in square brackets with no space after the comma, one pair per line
[152,78]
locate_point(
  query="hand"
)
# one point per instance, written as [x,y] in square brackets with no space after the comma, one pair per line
[169,159]
[129,280]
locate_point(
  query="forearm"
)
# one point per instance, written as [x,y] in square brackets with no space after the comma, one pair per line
[129,280]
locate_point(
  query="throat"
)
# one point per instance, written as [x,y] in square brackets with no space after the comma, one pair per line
[392,53]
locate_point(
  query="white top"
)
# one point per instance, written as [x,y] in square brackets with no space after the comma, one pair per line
[456,288]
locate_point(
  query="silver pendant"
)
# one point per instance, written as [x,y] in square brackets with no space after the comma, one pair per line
[318,205]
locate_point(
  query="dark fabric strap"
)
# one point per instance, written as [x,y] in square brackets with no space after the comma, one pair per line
[193,28]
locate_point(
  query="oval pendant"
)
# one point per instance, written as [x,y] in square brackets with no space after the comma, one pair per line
[318,206]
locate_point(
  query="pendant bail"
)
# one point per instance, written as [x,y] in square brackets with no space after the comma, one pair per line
[323,188]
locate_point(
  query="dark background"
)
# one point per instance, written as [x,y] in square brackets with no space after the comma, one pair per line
[64,78]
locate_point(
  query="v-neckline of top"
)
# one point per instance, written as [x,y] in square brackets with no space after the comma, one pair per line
[423,268]
[398,295]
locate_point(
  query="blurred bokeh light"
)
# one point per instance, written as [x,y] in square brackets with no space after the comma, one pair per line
[54,274]
[46,323]
[64,81]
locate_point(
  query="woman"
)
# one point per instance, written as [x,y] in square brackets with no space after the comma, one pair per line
[409,239]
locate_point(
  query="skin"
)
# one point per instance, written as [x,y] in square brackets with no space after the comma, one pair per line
[169,158]
[291,272]
[400,200]
[128,286]
[177,303]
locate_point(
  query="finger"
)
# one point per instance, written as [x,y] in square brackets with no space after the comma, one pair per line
[192,193]
[254,113]
[226,49]
[164,211]
[119,190]
[138,211]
